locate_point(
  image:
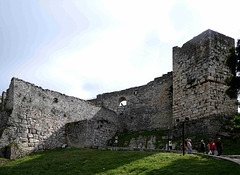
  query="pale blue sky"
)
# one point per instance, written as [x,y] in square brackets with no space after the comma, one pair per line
[86,47]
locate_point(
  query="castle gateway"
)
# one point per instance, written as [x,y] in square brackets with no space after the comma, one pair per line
[33,119]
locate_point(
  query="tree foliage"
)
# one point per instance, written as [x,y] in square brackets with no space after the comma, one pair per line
[235,128]
[235,122]
[233,80]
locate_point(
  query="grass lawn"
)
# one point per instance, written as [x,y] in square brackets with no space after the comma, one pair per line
[87,161]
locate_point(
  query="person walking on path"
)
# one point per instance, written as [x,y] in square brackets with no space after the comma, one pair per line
[219,147]
[170,144]
[212,146]
[189,145]
[202,146]
[185,144]
[116,141]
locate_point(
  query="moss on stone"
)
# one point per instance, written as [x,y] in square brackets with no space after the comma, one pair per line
[125,137]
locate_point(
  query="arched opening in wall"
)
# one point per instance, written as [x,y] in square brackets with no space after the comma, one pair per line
[122,101]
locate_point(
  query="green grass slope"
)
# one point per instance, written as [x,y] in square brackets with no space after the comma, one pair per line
[87,161]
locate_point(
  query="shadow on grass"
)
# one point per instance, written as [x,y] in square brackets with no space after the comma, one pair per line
[86,161]
[71,161]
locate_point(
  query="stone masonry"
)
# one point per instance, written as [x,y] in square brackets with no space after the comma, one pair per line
[34,119]
[198,77]
[94,132]
[147,107]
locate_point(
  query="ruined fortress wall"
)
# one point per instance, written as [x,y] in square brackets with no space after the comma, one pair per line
[37,117]
[95,132]
[211,126]
[148,107]
[198,77]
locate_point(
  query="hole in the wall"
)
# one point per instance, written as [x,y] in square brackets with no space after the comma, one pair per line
[99,126]
[55,100]
[135,92]
[177,120]
[122,101]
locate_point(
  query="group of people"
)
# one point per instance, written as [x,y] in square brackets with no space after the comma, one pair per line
[187,145]
[212,146]
[114,143]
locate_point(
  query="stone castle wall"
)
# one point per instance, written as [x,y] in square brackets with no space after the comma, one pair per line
[147,107]
[199,72]
[95,132]
[37,117]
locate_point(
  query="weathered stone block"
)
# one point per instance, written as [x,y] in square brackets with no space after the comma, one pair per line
[30,136]
[30,144]
[133,143]
[24,140]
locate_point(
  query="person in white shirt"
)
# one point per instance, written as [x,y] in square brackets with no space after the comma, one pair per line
[170,144]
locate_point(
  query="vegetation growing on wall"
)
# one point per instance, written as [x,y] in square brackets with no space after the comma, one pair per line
[14,144]
[231,147]
[233,80]
[235,127]
[124,138]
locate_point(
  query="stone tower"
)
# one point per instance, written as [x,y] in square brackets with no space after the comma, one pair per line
[199,72]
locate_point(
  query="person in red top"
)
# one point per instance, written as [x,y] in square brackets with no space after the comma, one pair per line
[212,146]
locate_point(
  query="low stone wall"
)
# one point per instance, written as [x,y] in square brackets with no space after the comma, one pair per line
[95,132]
